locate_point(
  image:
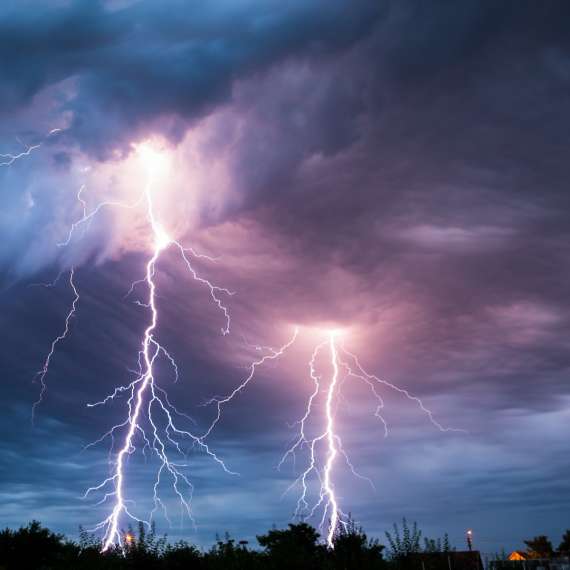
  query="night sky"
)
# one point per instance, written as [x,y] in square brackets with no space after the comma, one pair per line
[398,170]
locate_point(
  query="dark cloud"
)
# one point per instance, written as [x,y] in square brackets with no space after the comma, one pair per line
[146,62]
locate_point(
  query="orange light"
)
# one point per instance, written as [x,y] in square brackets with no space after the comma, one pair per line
[129,538]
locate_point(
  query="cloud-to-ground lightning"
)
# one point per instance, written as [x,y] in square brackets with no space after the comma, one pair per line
[324,448]
[322,442]
[152,419]
[148,403]
[327,438]
[332,444]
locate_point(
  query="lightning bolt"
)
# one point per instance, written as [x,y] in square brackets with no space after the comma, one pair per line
[85,219]
[326,438]
[41,374]
[9,159]
[151,415]
[271,354]
[324,448]
[332,452]
[152,421]
[370,380]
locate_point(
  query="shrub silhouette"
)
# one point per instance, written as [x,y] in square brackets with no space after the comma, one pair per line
[353,549]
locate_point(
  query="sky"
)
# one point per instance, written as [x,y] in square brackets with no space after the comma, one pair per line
[394,170]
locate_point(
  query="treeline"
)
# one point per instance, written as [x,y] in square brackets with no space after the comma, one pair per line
[296,548]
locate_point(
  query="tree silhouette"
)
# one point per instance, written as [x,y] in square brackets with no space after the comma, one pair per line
[37,547]
[539,547]
[181,556]
[564,547]
[353,549]
[437,545]
[406,543]
[296,547]
[227,555]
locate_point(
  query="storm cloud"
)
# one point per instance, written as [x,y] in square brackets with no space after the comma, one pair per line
[398,169]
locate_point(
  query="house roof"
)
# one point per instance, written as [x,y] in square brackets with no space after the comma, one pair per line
[518,555]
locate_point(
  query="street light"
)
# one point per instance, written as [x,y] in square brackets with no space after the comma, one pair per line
[469,536]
